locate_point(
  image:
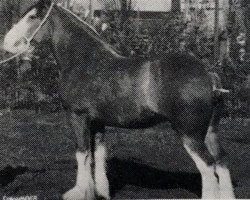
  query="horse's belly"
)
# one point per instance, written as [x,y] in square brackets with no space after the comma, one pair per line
[129,115]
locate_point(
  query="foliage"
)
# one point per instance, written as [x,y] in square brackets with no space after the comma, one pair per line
[32,85]
[157,36]
[132,37]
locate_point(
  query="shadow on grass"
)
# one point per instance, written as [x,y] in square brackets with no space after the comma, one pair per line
[8,174]
[123,173]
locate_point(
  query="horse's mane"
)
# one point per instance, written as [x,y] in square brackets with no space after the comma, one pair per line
[78,21]
[91,31]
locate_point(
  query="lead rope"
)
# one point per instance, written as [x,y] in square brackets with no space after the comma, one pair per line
[28,40]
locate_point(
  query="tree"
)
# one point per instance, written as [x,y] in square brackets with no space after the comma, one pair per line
[176,6]
[16,77]
[126,8]
[216,32]
[121,8]
[10,13]
[247,22]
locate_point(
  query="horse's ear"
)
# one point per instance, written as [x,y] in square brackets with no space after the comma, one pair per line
[42,6]
[45,3]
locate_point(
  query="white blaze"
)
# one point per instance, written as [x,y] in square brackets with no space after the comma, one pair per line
[14,41]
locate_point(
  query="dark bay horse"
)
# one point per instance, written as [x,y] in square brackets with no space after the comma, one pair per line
[101,88]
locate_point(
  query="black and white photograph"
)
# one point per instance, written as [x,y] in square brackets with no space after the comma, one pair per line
[124,99]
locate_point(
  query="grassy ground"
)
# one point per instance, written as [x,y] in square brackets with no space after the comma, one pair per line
[37,158]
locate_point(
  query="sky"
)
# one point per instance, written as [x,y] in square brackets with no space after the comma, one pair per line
[143,5]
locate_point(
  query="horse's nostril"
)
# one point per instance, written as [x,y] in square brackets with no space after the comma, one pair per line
[19,42]
[25,41]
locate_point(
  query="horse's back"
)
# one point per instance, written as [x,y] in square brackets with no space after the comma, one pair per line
[139,92]
[189,100]
[186,77]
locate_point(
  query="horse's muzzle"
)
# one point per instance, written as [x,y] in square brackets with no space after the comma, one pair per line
[15,46]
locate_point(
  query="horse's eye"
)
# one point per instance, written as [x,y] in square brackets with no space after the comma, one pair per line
[33,17]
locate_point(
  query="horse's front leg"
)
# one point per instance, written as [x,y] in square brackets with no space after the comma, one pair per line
[84,188]
[101,180]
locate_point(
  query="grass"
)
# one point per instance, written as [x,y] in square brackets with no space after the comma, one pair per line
[45,145]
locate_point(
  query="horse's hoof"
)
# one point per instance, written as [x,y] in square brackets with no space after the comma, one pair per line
[102,193]
[78,193]
[102,198]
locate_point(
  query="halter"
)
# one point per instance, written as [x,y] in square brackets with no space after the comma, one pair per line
[79,19]
[28,40]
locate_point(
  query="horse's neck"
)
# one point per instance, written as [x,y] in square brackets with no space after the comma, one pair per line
[71,42]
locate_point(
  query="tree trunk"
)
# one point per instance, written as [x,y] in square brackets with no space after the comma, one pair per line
[247,15]
[227,12]
[68,4]
[216,32]
[176,6]
[187,11]
[124,12]
[91,10]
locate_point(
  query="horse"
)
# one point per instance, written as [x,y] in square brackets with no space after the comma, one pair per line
[99,88]
[246,92]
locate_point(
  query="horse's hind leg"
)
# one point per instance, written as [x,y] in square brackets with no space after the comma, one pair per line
[205,164]
[207,155]
[225,182]
[99,149]
[84,188]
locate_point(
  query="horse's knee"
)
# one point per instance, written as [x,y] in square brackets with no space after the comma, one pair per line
[205,164]
[224,178]
[81,127]
[213,145]
[197,148]
[101,180]
[84,188]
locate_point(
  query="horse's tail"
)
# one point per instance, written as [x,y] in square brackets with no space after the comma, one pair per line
[212,140]
[218,99]
[218,110]
[217,83]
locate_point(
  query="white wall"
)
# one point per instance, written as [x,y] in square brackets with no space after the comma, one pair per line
[153,5]
[165,6]
[142,5]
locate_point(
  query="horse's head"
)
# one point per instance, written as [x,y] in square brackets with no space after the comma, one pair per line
[17,39]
